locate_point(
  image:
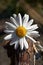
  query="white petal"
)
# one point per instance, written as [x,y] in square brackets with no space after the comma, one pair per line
[16,45]
[8,37]
[21,43]
[11,25]
[31,38]
[25,44]
[7,27]
[25,19]
[30,22]
[20,19]
[14,21]
[40,46]
[33,27]
[13,42]
[33,33]
[8,31]
[15,16]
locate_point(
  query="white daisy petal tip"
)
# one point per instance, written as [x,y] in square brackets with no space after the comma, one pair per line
[20,19]
[5,38]
[11,18]
[12,43]
[16,46]
[6,22]
[14,15]
[19,14]
[22,47]
[32,20]
[8,31]
[25,20]
[8,37]
[39,35]
[26,15]
[21,43]
[36,25]
[27,47]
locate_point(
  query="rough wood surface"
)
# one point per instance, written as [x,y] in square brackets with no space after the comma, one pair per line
[8,55]
[18,57]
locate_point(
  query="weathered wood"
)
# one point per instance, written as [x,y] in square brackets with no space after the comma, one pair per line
[4,43]
[19,57]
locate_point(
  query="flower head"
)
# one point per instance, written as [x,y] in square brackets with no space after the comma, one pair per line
[19,29]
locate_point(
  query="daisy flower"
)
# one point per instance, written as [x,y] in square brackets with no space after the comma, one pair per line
[19,30]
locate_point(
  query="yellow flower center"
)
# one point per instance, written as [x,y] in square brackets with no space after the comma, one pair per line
[21,31]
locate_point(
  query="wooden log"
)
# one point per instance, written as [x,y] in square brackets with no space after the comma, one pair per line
[19,57]
[4,43]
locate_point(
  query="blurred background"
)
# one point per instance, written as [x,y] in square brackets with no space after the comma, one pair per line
[8,7]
